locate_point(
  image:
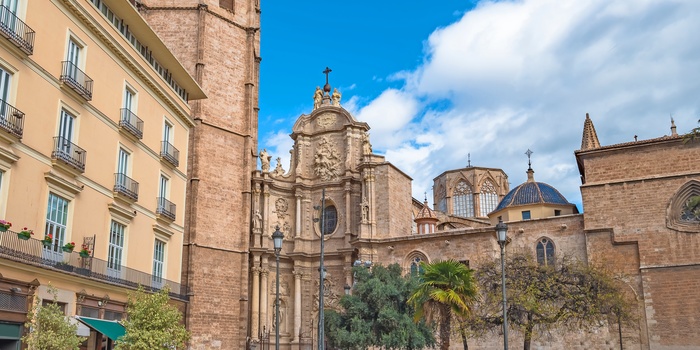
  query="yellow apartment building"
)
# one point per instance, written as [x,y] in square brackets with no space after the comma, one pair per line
[94,125]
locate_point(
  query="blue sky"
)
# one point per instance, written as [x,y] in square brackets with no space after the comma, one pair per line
[438,80]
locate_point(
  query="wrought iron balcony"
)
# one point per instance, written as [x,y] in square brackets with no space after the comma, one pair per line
[126,186]
[166,208]
[72,76]
[16,31]
[131,123]
[32,252]
[169,153]
[69,153]
[11,119]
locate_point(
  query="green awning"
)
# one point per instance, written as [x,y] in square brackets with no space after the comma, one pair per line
[111,329]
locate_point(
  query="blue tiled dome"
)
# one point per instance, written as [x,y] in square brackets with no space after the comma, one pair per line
[532,192]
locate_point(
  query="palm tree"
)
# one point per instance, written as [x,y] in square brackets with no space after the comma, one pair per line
[447,289]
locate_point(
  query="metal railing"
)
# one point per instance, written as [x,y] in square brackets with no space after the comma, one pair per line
[126,186]
[33,252]
[69,153]
[131,123]
[72,76]
[166,208]
[11,119]
[169,153]
[15,30]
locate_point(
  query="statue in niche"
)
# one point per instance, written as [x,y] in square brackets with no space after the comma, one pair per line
[326,161]
[318,97]
[366,146]
[278,169]
[335,98]
[365,210]
[265,160]
[257,220]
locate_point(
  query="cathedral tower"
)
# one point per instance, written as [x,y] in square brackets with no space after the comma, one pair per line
[217,41]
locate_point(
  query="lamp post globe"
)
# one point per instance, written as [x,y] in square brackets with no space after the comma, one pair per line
[501,231]
[277,238]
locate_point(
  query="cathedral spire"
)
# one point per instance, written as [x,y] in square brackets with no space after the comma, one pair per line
[590,138]
[673,128]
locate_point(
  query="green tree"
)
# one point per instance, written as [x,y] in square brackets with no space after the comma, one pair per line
[152,323]
[377,313]
[50,328]
[569,295]
[447,290]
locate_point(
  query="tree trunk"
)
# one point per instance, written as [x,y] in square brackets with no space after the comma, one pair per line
[528,337]
[446,317]
[464,338]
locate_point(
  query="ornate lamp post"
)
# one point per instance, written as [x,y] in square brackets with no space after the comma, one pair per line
[501,230]
[277,238]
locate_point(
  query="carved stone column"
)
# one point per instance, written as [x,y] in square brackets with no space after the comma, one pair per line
[297,304]
[348,209]
[264,290]
[266,214]
[255,317]
[297,226]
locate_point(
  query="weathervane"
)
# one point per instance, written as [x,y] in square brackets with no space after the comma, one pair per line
[469,160]
[529,164]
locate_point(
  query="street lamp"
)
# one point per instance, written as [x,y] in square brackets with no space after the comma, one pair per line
[501,230]
[277,238]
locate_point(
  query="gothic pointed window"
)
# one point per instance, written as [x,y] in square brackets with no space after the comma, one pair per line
[414,261]
[463,200]
[545,252]
[442,199]
[488,198]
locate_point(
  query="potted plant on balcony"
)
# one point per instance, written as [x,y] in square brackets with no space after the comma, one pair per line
[25,234]
[68,247]
[84,251]
[48,239]
[5,225]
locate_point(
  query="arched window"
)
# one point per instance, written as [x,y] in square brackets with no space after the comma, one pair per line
[442,199]
[545,252]
[488,198]
[414,260]
[330,219]
[463,200]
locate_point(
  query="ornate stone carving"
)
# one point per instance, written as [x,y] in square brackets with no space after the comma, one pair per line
[318,97]
[326,161]
[325,120]
[257,220]
[330,297]
[281,207]
[278,169]
[365,210]
[366,146]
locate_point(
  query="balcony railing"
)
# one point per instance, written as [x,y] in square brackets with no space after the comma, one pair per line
[16,31]
[72,76]
[69,153]
[126,186]
[169,153]
[130,122]
[166,208]
[32,252]
[11,119]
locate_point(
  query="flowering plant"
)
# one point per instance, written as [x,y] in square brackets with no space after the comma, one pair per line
[84,250]
[69,246]
[5,224]
[26,233]
[48,238]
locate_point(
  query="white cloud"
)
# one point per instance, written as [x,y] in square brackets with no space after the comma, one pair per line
[509,76]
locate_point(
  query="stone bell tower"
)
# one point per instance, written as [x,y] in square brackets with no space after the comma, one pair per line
[218,42]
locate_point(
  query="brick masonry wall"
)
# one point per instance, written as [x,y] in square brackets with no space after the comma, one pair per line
[215,265]
[626,199]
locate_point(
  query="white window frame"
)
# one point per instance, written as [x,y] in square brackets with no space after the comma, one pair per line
[57,210]
[115,249]
[164,187]
[168,131]
[159,249]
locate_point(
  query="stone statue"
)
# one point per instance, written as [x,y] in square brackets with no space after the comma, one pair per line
[366,146]
[278,169]
[318,97]
[265,160]
[336,97]
[365,210]
[326,161]
[257,220]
